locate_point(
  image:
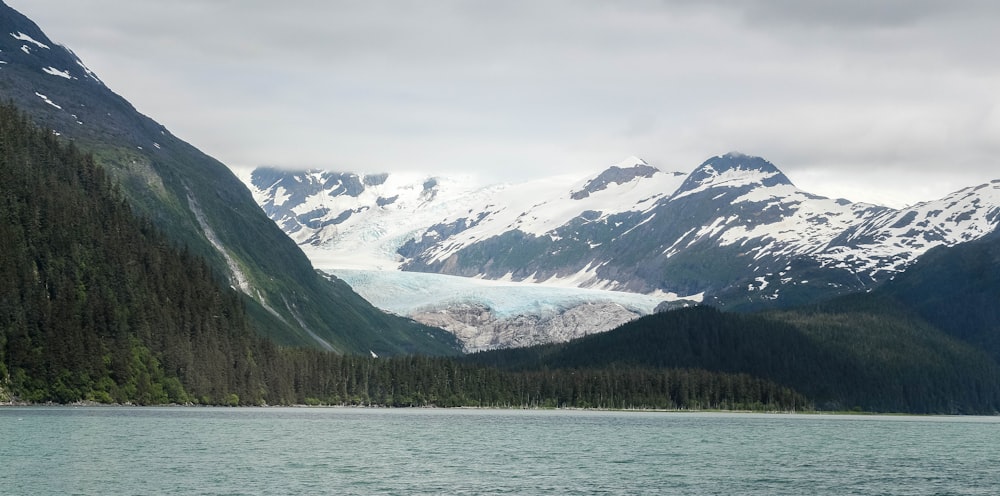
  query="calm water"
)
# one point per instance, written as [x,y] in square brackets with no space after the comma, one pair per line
[68,450]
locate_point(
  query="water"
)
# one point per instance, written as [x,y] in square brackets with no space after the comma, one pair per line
[65,450]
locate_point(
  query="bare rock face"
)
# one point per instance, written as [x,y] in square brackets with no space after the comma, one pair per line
[478,328]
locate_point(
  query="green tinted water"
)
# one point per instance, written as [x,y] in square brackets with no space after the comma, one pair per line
[66,450]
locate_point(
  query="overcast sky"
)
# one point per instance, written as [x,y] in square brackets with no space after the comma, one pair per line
[893,101]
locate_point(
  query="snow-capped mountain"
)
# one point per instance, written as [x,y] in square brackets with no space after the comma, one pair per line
[736,221]
[735,230]
[346,220]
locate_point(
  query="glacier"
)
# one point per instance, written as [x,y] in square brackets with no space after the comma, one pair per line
[406,293]
[487,314]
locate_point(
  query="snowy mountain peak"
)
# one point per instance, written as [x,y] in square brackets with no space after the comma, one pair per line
[732,170]
[630,162]
[623,172]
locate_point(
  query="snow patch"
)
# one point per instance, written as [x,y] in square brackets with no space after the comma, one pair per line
[46,100]
[281,196]
[56,72]
[87,70]
[23,37]
[730,178]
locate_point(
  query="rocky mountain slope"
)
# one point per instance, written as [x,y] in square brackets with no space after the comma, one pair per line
[198,202]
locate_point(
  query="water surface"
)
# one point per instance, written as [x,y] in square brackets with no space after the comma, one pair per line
[66,450]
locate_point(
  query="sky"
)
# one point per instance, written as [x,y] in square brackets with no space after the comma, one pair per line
[886,101]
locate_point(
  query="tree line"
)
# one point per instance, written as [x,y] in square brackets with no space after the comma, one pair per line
[860,352]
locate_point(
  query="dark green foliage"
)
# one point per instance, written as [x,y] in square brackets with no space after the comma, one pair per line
[958,290]
[325,378]
[892,360]
[870,357]
[96,304]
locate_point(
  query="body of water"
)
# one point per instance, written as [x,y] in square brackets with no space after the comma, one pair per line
[271,451]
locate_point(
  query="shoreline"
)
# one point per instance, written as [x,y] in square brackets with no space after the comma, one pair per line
[803,413]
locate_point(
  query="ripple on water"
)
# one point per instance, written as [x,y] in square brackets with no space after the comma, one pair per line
[349,451]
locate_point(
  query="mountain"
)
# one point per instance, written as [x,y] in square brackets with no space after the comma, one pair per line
[198,203]
[359,227]
[382,221]
[736,229]
[734,232]
[96,304]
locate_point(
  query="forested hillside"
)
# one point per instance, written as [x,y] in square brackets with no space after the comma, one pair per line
[96,303]
[863,352]
[966,291]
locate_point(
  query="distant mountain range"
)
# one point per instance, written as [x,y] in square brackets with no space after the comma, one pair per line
[198,203]
[735,229]
[735,232]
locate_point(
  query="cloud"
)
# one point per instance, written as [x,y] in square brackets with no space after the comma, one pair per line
[519,88]
[847,14]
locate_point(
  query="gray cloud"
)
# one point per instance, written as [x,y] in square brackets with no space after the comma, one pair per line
[848,14]
[515,88]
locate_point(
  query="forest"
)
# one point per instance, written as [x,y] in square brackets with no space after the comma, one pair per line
[98,305]
[863,352]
